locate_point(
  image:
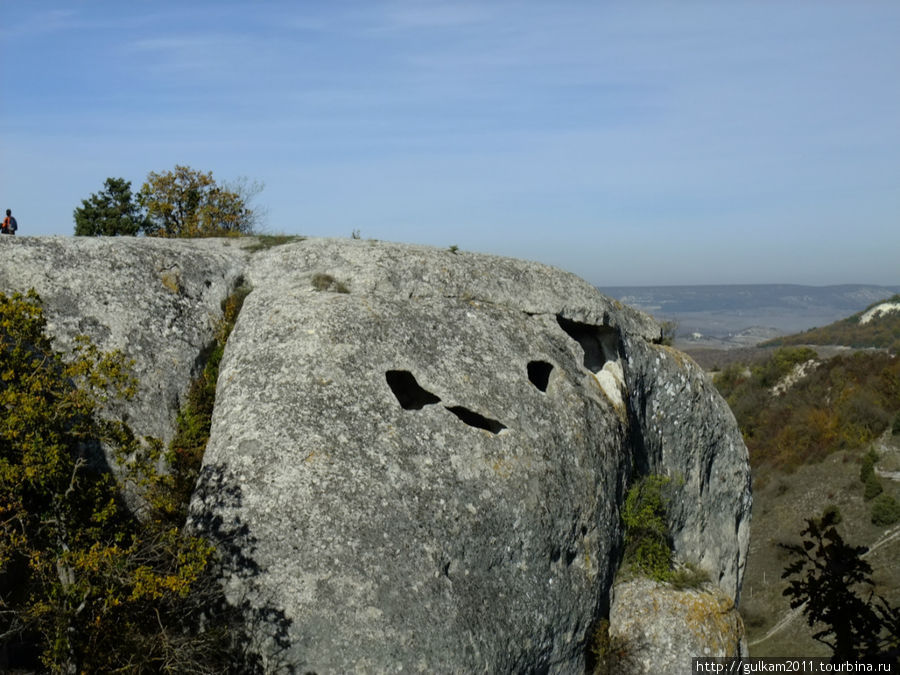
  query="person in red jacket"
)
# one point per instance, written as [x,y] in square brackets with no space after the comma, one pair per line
[9,224]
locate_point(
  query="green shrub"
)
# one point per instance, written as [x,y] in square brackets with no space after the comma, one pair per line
[687,576]
[872,488]
[885,511]
[86,584]
[845,403]
[647,546]
[867,466]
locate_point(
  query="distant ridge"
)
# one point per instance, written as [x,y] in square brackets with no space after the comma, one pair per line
[877,326]
[851,297]
[728,311]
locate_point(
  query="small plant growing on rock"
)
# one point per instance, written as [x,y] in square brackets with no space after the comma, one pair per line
[267,241]
[326,282]
[609,654]
[647,547]
[668,329]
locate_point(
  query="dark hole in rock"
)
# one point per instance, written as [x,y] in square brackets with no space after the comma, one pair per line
[408,392]
[555,555]
[570,556]
[539,373]
[473,419]
[598,342]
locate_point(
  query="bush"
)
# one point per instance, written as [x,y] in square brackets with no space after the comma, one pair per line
[885,511]
[872,488]
[647,546]
[87,584]
[326,282]
[845,403]
[867,466]
[781,363]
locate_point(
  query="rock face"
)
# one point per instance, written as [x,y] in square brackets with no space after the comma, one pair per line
[156,300]
[682,428]
[417,457]
[657,629]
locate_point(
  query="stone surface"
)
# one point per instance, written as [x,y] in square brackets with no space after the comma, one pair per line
[657,629]
[429,467]
[682,428]
[156,300]
[418,457]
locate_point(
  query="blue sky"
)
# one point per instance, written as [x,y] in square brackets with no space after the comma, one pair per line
[629,142]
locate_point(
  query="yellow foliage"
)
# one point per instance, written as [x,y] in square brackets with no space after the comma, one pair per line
[81,577]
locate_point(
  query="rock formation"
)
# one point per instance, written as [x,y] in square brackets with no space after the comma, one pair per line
[158,301]
[418,456]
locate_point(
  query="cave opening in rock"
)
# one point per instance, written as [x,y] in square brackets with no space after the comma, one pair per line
[473,419]
[599,343]
[539,373]
[408,392]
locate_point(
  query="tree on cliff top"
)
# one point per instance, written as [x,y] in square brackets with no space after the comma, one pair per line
[189,203]
[178,203]
[110,212]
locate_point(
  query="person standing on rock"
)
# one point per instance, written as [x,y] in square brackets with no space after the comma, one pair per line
[9,224]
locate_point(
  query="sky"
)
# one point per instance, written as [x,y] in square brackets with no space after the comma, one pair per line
[633,143]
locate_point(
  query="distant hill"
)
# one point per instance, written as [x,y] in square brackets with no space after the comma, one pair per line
[876,326]
[742,315]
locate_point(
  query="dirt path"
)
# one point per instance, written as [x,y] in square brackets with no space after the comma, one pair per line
[789,616]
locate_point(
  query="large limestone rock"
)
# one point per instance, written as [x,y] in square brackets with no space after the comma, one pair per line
[682,428]
[428,468]
[418,457]
[658,629]
[157,300]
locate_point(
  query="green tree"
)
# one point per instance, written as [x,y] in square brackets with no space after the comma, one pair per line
[110,212]
[189,203]
[825,575]
[88,584]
